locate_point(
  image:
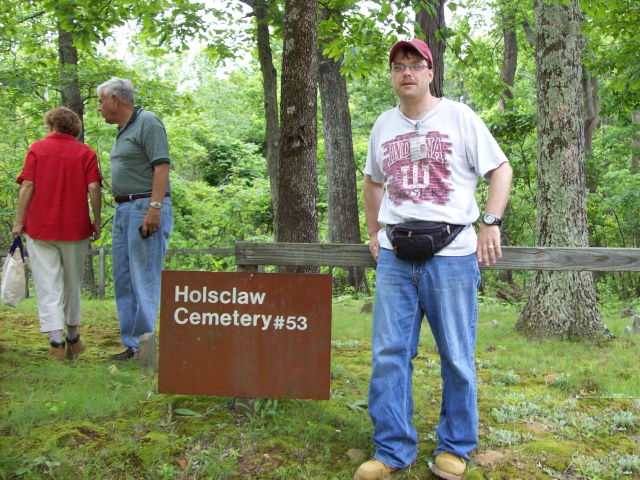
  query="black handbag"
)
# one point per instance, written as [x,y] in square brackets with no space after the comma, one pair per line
[419,241]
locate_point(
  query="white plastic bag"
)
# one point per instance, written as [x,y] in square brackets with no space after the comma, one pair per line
[12,290]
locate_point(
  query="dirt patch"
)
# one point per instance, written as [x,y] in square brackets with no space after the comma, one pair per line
[537,427]
[489,458]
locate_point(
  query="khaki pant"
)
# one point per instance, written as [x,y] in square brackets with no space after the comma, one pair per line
[57,269]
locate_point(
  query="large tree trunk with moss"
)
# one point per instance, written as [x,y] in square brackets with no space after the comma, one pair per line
[560,304]
[431,20]
[342,196]
[71,98]
[297,172]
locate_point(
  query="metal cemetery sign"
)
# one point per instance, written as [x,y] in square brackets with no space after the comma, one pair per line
[245,334]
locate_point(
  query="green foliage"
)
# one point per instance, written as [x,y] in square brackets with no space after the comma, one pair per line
[208,217]
[226,160]
[613,32]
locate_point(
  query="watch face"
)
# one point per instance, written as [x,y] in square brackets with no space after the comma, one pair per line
[490,219]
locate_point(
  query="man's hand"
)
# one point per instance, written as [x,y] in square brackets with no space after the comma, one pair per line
[97,228]
[151,222]
[488,250]
[374,246]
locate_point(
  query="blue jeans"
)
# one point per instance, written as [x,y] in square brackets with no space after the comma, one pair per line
[445,290]
[137,267]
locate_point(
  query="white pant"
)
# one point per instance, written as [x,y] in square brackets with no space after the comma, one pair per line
[57,269]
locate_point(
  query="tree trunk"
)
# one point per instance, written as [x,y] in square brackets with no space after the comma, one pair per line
[635,142]
[590,88]
[635,161]
[509,58]
[270,92]
[297,172]
[560,304]
[508,77]
[71,98]
[431,21]
[344,224]
[70,86]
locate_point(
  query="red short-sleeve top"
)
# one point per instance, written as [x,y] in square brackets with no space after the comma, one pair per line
[61,169]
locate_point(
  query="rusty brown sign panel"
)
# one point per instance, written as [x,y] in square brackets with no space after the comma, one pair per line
[244,334]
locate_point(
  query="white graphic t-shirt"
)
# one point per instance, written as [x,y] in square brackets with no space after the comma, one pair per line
[430,168]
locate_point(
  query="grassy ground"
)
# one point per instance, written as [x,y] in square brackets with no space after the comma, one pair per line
[548,409]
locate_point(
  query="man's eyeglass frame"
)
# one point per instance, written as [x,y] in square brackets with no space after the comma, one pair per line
[414,67]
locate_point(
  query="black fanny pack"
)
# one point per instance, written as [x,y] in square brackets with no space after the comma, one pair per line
[419,241]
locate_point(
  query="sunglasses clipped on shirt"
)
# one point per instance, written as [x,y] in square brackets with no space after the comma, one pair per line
[414,67]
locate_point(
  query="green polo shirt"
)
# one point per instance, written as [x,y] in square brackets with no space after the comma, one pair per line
[140,145]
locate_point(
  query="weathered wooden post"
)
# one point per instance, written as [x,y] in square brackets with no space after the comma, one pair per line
[101,273]
[245,406]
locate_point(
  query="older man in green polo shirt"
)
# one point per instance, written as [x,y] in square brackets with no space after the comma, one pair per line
[143,220]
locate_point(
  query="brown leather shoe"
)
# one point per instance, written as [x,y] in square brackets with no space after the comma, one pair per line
[449,466]
[57,352]
[374,470]
[74,348]
[128,354]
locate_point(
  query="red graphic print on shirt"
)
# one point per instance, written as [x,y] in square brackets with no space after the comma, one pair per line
[417,168]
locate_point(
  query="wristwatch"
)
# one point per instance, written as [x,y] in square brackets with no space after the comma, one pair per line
[156,205]
[491,219]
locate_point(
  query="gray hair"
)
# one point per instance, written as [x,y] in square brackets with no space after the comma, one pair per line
[118,86]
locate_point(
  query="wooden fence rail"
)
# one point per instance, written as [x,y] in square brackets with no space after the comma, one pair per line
[250,255]
[102,253]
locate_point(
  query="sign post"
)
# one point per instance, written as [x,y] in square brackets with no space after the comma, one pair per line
[245,334]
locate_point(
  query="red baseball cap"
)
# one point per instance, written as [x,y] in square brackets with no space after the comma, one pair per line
[419,46]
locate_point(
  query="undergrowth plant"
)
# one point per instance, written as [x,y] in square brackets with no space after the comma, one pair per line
[548,409]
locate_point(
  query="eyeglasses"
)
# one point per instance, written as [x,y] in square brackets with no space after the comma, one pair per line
[414,67]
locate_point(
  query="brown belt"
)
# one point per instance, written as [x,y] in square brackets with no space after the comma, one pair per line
[134,196]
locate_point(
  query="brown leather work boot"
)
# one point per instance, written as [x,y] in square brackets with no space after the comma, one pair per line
[449,466]
[374,470]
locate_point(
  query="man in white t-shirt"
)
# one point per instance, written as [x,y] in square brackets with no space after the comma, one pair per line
[425,157]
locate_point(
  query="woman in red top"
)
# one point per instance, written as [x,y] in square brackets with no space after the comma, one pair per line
[58,174]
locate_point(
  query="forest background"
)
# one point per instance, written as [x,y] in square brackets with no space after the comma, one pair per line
[202,69]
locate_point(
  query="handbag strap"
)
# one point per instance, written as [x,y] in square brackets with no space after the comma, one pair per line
[17,243]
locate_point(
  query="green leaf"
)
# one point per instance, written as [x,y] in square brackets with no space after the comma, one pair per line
[359,405]
[187,412]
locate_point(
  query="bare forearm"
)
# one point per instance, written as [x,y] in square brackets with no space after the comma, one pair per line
[489,249]
[373,193]
[160,182]
[499,188]
[95,198]
[151,220]
[24,199]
